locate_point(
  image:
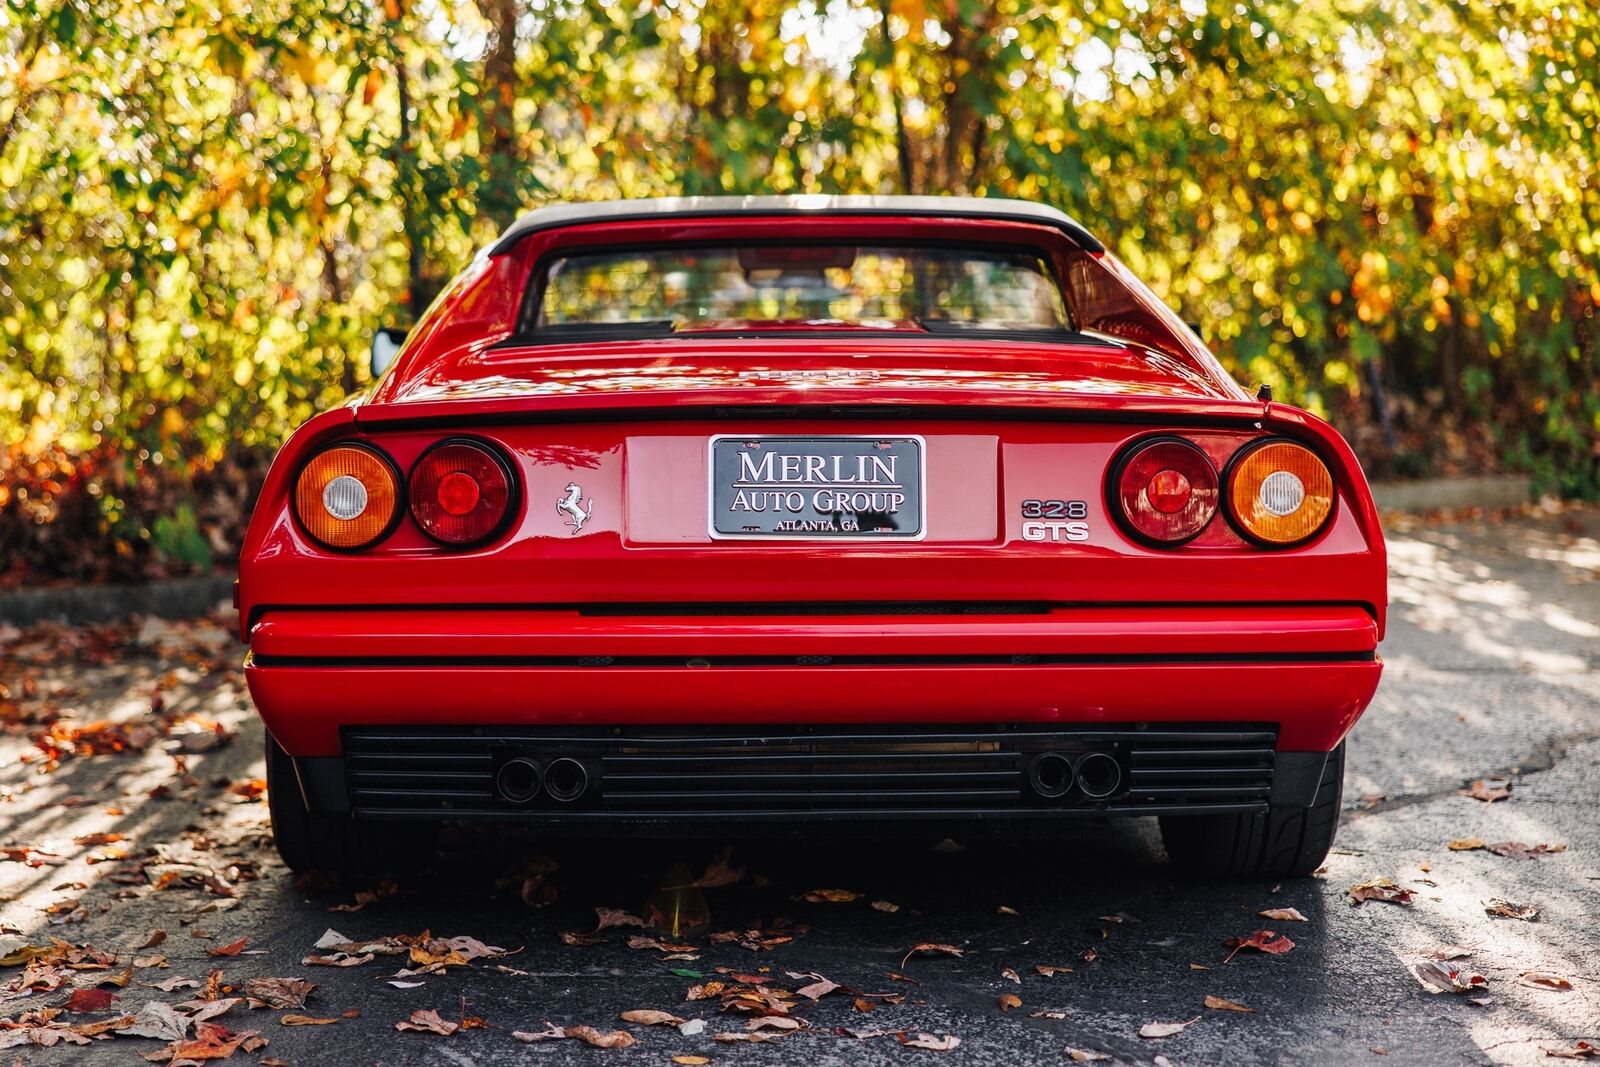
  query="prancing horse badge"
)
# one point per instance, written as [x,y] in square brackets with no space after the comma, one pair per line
[575,507]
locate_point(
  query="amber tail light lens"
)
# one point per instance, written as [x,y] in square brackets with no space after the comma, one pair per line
[460,492]
[347,496]
[1279,493]
[1165,491]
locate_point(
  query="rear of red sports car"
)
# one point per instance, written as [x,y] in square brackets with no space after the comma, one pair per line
[792,512]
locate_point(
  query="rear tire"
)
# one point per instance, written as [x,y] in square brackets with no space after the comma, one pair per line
[1285,842]
[336,843]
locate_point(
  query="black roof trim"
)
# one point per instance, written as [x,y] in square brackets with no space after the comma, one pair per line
[559,216]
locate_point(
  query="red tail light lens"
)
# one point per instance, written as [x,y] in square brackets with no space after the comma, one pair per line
[1166,490]
[460,492]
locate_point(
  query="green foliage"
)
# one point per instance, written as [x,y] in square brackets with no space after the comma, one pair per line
[205,209]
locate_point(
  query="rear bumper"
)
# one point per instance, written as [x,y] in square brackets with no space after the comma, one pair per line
[1305,672]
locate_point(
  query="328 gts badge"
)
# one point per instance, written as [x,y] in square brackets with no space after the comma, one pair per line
[1055,520]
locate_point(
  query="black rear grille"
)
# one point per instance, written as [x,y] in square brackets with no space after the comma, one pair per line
[716,773]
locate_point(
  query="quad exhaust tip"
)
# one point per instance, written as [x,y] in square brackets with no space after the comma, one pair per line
[518,780]
[1099,775]
[1050,775]
[566,780]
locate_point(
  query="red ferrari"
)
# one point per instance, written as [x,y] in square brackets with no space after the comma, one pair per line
[735,513]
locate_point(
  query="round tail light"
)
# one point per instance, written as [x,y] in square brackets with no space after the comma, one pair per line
[1279,493]
[347,496]
[1165,490]
[460,492]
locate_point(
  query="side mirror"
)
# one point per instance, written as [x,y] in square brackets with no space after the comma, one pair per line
[386,344]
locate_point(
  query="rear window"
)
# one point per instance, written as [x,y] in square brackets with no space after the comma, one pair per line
[751,287]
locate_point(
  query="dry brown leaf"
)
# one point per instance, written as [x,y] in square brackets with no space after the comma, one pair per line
[307,1020]
[1516,850]
[884,906]
[1155,1030]
[232,948]
[651,1017]
[817,988]
[1441,976]
[931,1042]
[691,1061]
[1220,1004]
[155,938]
[609,917]
[863,1005]
[602,1038]
[428,1021]
[1578,1050]
[577,940]
[1083,1055]
[931,949]
[1545,980]
[279,993]
[830,896]
[1009,1001]
[1498,907]
[1465,844]
[1380,889]
[1283,915]
[1488,790]
[1050,971]
[719,872]
[642,941]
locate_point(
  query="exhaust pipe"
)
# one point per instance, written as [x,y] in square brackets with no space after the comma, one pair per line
[518,780]
[1099,775]
[566,780]
[1050,775]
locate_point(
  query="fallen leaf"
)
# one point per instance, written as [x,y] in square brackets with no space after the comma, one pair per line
[1508,909]
[1009,1001]
[691,1061]
[1283,915]
[232,948]
[1155,1030]
[931,949]
[863,1005]
[830,896]
[651,1017]
[338,959]
[1083,1055]
[774,1022]
[97,839]
[212,1041]
[1466,844]
[428,1021]
[587,1034]
[1518,851]
[90,1000]
[306,1020]
[641,941]
[1225,1005]
[719,872]
[1262,941]
[1006,909]
[1578,1050]
[817,988]
[175,982]
[884,906]
[1050,971]
[755,1037]
[1545,980]
[609,917]
[930,1042]
[1488,790]
[1446,952]
[279,994]
[1198,967]
[1089,955]
[705,991]
[577,940]
[157,1020]
[1379,889]
[1440,976]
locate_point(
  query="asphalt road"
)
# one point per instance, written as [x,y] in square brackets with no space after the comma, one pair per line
[1493,660]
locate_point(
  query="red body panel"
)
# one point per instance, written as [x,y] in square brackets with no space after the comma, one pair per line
[407,632]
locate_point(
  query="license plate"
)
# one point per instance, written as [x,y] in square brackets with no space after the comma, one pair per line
[820,488]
